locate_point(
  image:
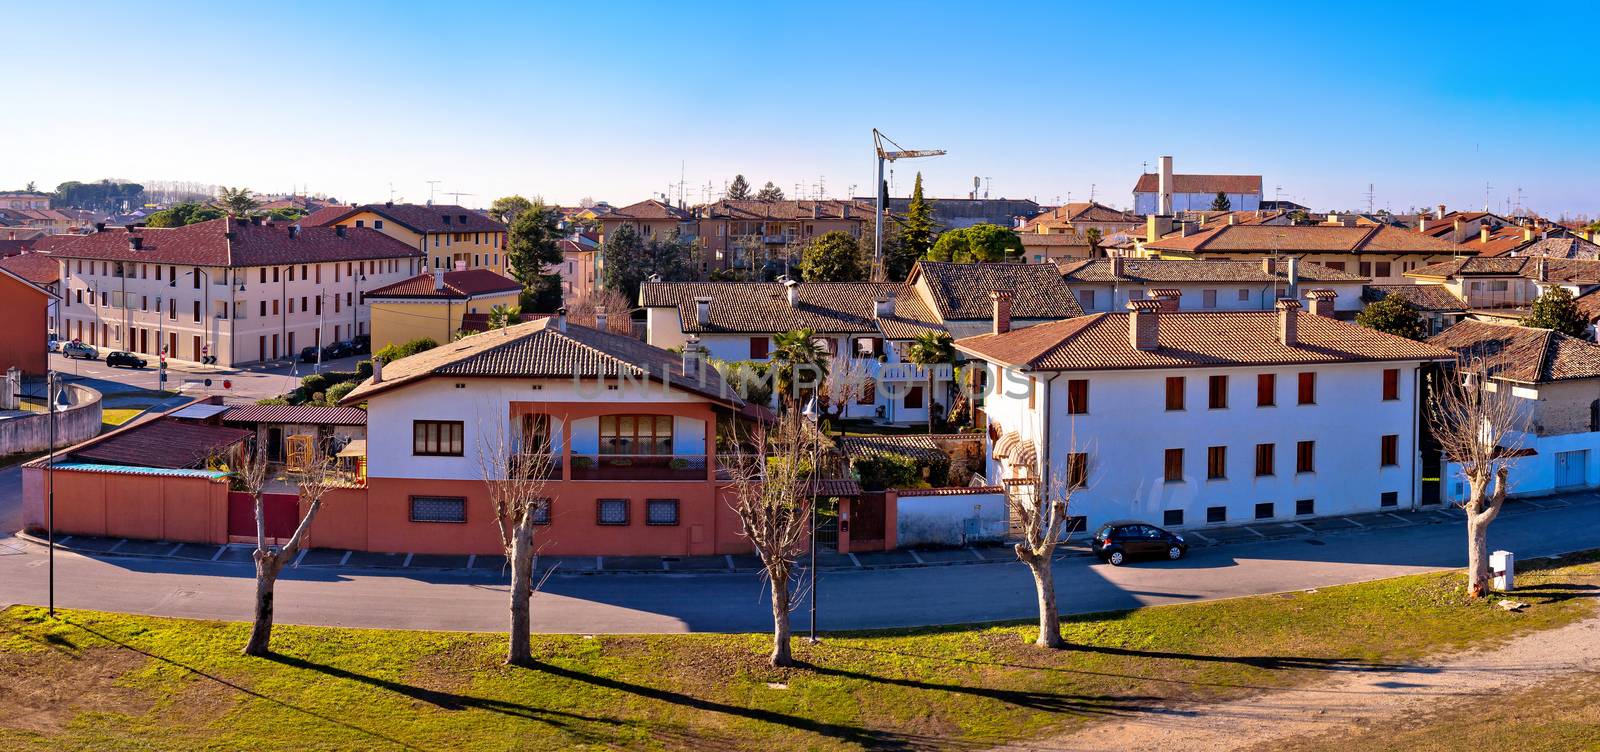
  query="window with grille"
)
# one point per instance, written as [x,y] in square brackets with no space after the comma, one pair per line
[438,509]
[611,511]
[661,512]
[436,438]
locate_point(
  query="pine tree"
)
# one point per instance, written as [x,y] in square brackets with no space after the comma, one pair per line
[533,242]
[739,189]
[918,233]
[1221,202]
[1557,309]
[769,192]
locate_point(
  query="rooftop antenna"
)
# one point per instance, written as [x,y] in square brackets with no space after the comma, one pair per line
[889,155]
[432,185]
[391,191]
[988,182]
[1369,198]
[458,195]
[1486,200]
[1091,193]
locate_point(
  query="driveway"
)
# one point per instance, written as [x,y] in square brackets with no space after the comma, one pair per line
[245,384]
[849,599]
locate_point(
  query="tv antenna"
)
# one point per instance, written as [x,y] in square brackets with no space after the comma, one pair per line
[432,185]
[458,195]
[1370,196]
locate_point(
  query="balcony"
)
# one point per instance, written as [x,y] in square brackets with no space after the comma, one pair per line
[912,372]
[638,467]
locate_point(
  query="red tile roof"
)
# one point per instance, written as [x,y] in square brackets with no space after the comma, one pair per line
[209,244]
[1192,340]
[164,442]
[419,218]
[38,268]
[650,209]
[1150,183]
[458,284]
[1522,353]
[1308,239]
[305,415]
[1576,271]
[786,210]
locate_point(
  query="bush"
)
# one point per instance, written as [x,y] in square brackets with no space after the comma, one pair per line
[881,471]
[314,383]
[272,401]
[364,369]
[392,353]
[338,391]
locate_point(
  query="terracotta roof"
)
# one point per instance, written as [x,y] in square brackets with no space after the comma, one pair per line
[1178,270]
[419,218]
[13,247]
[1191,340]
[38,268]
[1307,239]
[788,209]
[208,244]
[1209,219]
[1081,211]
[1589,305]
[1430,298]
[1574,271]
[324,216]
[1151,183]
[540,349]
[1052,239]
[1441,226]
[822,487]
[651,209]
[459,284]
[915,446]
[949,491]
[1522,353]
[307,415]
[1561,248]
[163,442]
[961,291]
[763,308]
[50,243]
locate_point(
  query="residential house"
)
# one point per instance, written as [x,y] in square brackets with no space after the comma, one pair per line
[579,269]
[25,307]
[1164,192]
[434,304]
[1058,248]
[752,234]
[43,271]
[1079,218]
[237,291]
[1439,308]
[1192,419]
[1108,284]
[276,427]
[1554,380]
[1382,253]
[24,200]
[450,236]
[1503,288]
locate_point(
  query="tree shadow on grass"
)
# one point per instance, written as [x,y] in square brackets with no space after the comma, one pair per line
[1050,702]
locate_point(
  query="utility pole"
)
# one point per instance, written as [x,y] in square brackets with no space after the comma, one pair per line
[887,155]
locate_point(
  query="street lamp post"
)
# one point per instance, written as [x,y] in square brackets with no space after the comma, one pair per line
[811,415]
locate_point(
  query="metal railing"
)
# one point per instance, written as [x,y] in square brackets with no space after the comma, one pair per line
[638,467]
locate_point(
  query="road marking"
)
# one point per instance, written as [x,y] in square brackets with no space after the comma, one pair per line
[914,556]
[729,557]
[300,556]
[1253,530]
[854,560]
[174,550]
[664,566]
[1307,529]
[218,554]
[975,553]
[407,562]
[63,540]
[473,559]
[116,546]
[1196,533]
[346,558]
[1398,517]
[1353,521]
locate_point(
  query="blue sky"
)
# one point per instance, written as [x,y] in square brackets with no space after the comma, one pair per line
[611,100]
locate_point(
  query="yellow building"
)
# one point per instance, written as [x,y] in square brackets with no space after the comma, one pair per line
[437,305]
[453,237]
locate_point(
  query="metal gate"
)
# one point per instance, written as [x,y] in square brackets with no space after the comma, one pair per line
[282,512]
[867,518]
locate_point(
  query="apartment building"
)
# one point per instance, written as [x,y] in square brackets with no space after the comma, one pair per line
[237,291]
[1204,418]
[1078,218]
[436,304]
[1381,253]
[451,237]
[1109,284]
[743,234]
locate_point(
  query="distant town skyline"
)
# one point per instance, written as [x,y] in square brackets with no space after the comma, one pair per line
[537,101]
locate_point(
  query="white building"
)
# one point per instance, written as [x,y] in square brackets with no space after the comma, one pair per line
[1108,284]
[1163,192]
[239,291]
[1193,419]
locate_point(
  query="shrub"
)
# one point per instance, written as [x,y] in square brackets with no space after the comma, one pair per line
[314,383]
[881,471]
[391,353]
[364,369]
[338,391]
[272,401]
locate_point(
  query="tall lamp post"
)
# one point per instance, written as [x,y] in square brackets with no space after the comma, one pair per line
[811,415]
[53,394]
[882,192]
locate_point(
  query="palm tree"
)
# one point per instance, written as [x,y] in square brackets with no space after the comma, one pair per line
[929,349]
[237,201]
[793,352]
[502,316]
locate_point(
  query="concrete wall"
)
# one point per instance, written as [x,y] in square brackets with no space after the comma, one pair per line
[943,519]
[78,422]
[128,505]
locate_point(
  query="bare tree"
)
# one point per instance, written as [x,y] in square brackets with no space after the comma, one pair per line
[846,381]
[1042,515]
[516,466]
[317,476]
[581,310]
[773,477]
[1479,426]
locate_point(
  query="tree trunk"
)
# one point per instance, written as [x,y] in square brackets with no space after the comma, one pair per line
[519,652]
[1477,555]
[1044,582]
[780,622]
[929,399]
[268,565]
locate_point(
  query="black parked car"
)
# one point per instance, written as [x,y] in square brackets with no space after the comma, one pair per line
[362,344]
[124,360]
[308,354]
[1118,542]
[338,350]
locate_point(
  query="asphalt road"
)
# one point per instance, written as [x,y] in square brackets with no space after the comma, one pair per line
[248,385]
[863,599]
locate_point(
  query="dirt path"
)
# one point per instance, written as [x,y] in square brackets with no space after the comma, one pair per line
[1358,700]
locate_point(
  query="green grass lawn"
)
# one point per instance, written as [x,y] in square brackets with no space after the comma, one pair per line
[115,416]
[97,681]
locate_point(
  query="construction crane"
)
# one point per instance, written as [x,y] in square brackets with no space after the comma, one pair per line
[888,155]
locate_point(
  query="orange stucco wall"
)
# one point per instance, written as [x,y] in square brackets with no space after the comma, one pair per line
[121,505]
[24,309]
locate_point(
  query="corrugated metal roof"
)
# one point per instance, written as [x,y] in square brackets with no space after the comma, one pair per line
[309,415]
[200,411]
[92,467]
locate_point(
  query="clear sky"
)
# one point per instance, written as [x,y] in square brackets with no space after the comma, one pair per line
[612,100]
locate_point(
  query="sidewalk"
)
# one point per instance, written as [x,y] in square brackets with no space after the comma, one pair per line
[1310,530]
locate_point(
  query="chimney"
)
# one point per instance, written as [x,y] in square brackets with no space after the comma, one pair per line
[389,204]
[1116,267]
[1322,302]
[1164,186]
[1440,210]
[461,265]
[1168,299]
[1483,233]
[702,311]
[1001,300]
[135,243]
[1294,277]
[377,370]
[438,279]
[792,287]
[600,317]
[883,307]
[1144,324]
[561,319]
[99,227]
[816,210]
[294,231]
[340,231]
[1288,321]
[1527,234]
[1269,266]
[844,211]
[1422,223]
[1233,219]
[1542,265]
[691,356]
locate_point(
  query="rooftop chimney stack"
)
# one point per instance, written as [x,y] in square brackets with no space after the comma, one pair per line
[1483,233]
[1294,277]
[1269,266]
[1288,322]
[883,307]
[1440,211]
[792,287]
[1542,264]
[600,317]
[691,357]
[702,311]
[1116,267]
[1322,302]
[1168,298]
[438,279]
[1001,300]
[1164,186]
[1144,324]
[377,370]
[561,319]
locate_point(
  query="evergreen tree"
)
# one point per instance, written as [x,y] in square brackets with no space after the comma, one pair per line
[1221,202]
[770,192]
[979,243]
[506,208]
[1557,309]
[739,189]
[833,257]
[918,233]
[1394,315]
[629,260]
[533,242]
[183,214]
[237,202]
